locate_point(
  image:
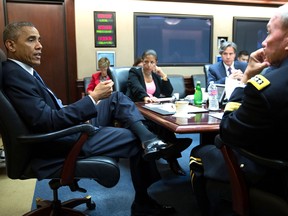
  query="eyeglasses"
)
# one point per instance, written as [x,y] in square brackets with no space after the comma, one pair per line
[147,62]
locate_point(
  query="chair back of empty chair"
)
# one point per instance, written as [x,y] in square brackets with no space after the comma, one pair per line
[201,78]
[178,84]
[86,81]
[119,75]
[206,71]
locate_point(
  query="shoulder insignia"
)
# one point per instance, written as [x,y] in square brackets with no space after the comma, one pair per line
[259,81]
[232,106]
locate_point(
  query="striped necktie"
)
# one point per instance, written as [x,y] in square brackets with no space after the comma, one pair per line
[229,70]
[58,101]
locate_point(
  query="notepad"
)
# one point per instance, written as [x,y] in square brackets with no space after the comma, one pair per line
[195,109]
[163,109]
[217,115]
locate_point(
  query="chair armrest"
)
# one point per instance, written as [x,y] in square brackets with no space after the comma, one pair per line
[240,200]
[46,137]
[68,170]
[239,189]
[267,162]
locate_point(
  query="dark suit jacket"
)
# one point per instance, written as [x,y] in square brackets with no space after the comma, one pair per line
[36,105]
[217,71]
[136,88]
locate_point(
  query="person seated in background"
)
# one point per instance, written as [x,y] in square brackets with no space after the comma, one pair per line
[227,67]
[146,84]
[255,117]
[243,56]
[149,82]
[42,112]
[101,75]
[138,62]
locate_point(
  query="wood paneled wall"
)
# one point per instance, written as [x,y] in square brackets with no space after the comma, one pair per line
[55,20]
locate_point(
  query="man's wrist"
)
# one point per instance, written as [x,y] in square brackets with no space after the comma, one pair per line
[94,101]
[244,79]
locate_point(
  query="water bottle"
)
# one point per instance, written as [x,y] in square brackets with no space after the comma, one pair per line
[212,94]
[198,94]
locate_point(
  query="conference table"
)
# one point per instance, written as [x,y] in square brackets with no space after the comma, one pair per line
[203,123]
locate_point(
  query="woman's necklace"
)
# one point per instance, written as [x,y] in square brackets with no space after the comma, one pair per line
[147,77]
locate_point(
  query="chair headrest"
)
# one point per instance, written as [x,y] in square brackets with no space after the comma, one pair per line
[2,56]
[0,75]
[119,76]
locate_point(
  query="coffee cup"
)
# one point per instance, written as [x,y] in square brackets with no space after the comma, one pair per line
[181,107]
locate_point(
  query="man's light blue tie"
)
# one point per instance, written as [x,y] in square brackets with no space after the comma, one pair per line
[58,101]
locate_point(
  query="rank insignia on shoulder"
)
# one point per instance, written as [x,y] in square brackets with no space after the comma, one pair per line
[259,81]
[232,106]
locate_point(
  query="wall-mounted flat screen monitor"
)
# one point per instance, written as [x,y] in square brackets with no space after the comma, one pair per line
[248,33]
[179,40]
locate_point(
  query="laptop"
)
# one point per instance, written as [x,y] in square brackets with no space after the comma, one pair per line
[221,96]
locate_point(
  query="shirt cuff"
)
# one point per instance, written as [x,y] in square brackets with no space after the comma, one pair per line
[92,99]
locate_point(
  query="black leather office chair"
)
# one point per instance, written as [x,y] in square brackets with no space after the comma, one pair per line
[119,76]
[18,145]
[178,83]
[247,200]
[201,78]
[206,71]
[2,56]
[86,81]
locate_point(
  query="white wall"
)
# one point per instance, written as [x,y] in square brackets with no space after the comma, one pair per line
[86,60]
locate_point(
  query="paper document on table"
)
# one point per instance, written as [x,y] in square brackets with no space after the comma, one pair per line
[230,85]
[217,115]
[183,115]
[195,109]
[163,109]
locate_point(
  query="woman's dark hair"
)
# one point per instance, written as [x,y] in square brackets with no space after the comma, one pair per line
[137,61]
[150,52]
